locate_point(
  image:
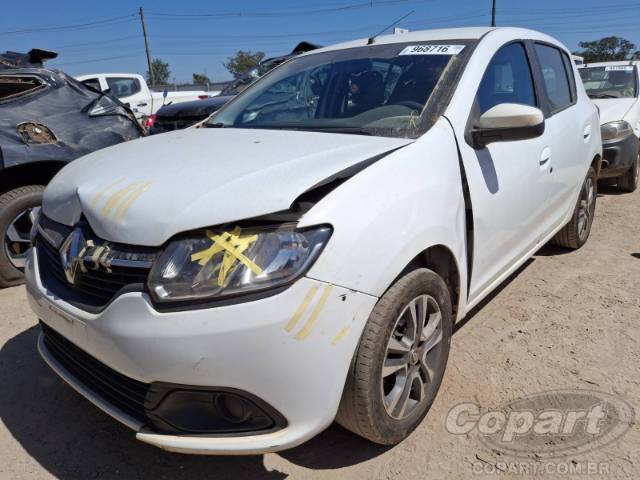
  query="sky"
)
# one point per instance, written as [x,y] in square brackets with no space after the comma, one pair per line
[198,36]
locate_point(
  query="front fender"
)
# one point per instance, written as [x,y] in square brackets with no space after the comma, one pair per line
[390,212]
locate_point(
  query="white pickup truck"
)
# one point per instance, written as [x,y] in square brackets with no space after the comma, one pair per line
[132,89]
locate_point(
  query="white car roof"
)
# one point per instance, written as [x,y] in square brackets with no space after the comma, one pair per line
[95,75]
[443,34]
[604,64]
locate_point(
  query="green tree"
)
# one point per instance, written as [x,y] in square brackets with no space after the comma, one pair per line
[200,79]
[242,62]
[606,49]
[161,72]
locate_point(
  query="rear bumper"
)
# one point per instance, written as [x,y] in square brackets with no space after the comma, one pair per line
[618,156]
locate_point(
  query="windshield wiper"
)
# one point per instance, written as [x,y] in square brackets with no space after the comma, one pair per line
[215,125]
[601,95]
[319,128]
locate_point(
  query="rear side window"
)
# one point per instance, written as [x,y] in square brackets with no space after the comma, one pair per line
[93,83]
[123,87]
[507,79]
[16,86]
[554,73]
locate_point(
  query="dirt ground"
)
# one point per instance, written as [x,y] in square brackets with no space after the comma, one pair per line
[565,320]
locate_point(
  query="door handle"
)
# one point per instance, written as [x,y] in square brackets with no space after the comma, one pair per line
[143,104]
[586,134]
[545,156]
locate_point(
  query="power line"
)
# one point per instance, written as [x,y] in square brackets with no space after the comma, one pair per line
[103,59]
[77,26]
[289,13]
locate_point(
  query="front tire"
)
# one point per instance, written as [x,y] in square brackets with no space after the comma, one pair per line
[18,209]
[400,360]
[575,233]
[629,181]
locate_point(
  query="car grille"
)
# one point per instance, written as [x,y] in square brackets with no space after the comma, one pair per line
[122,392]
[93,289]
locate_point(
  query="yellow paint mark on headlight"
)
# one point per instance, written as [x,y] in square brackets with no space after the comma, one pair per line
[232,245]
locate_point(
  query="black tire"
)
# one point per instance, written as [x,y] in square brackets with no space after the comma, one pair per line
[629,181]
[573,235]
[362,408]
[12,203]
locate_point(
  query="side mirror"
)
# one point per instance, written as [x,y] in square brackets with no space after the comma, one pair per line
[507,122]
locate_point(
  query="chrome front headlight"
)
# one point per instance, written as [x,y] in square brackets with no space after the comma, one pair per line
[222,263]
[615,130]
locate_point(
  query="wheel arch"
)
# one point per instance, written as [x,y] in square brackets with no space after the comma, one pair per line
[32,173]
[441,260]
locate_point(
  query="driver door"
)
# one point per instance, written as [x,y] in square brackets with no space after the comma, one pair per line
[508,180]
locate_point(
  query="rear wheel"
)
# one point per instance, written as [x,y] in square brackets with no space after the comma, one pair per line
[575,233]
[400,361]
[18,210]
[629,181]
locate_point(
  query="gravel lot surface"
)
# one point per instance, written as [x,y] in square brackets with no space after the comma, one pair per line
[564,321]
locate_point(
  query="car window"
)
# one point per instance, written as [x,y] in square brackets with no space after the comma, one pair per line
[93,83]
[507,79]
[123,87]
[373,90]
[13,86]
[554,73]
[611,81]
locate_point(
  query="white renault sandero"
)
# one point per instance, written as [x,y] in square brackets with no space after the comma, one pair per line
[236,288]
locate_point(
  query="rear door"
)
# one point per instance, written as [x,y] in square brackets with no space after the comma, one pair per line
[129,90]
[507,180]
[568,128]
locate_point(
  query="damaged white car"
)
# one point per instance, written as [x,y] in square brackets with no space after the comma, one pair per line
[234,289]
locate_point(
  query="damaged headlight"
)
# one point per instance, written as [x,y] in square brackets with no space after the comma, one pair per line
[106,106]
[223,263]
[615,130]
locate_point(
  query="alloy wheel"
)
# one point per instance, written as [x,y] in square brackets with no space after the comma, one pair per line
[16,238]
[586,207]
[412,357]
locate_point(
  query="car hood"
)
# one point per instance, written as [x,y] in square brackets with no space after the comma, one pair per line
[145,191]
[193,108]
[612,109]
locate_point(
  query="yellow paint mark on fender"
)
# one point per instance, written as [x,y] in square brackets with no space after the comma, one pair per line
[341,334]
[301,309]
[308,327]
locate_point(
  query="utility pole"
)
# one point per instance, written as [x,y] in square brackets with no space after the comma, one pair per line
[493,14]
[146,47]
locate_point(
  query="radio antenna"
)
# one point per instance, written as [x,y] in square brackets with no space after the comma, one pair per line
[373,39]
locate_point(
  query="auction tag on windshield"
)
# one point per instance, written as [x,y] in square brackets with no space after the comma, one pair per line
[623,68]
[432,50]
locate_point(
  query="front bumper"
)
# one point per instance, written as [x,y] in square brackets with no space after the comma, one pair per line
[291,350]
[618,156]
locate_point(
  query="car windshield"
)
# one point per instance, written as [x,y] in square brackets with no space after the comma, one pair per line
[612,81]
[373,90]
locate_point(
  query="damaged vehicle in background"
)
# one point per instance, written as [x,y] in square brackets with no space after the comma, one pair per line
[613,87]
[47,119]
[183,115]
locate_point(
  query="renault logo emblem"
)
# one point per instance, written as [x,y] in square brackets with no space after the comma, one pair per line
[71,253]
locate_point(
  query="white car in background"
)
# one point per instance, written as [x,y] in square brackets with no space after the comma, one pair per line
[304,256]
[132,89]
[614,88]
